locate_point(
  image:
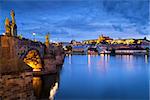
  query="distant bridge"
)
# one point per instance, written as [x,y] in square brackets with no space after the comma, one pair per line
[98,48]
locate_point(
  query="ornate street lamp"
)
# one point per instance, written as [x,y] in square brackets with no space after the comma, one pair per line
[3,33]
[33,35]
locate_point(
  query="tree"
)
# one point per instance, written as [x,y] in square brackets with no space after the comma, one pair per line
[145,38]
[69,48]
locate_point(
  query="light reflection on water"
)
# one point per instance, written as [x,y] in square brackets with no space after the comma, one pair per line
[37,85]
[97,77]
[53,91]
[104,77]
[45,87]
[146,59]
[89,63]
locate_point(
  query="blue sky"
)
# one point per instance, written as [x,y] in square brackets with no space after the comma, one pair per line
[78,19]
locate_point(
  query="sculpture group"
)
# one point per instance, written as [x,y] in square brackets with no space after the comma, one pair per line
[10,26]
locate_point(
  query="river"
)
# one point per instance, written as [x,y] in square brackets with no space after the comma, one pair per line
[85,77]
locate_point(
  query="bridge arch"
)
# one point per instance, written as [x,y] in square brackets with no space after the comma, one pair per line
[33,59]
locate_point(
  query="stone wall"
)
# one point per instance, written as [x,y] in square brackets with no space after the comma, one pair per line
[59,54]
[9,61]
[54,57]
[12,49]
[16,86]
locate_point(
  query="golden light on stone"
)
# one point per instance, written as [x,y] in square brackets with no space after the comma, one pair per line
[7,26]
[35,70]
[33,60]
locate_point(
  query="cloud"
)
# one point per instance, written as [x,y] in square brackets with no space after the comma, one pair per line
[79,19]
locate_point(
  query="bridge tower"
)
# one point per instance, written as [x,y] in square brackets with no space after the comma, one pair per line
[47,40]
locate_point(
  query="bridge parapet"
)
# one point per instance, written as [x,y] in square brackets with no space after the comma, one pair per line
[16,53]
[19,47]
[13,51]
[25,45]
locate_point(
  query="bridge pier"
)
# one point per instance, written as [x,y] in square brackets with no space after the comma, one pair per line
[54,57]
[9,62]
[59,54]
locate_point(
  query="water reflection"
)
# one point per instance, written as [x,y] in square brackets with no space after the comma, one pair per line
[53,91]
[37,86]
[89,63]
[126,78]
[103,63]
[146,59]
[45,87]
[70,58]
[128,60]
[108,77]
[24,86]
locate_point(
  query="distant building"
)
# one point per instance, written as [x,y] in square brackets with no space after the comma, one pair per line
[65,43]
[123,41]
[75,43]
[143,43]
[104,39]
[92,41]
[101,39]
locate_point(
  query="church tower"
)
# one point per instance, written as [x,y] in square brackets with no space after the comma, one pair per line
[13,24]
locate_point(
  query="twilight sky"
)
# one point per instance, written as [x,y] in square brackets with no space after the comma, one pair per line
[78,19]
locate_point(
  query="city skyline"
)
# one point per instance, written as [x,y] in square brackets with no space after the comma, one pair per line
[78,20]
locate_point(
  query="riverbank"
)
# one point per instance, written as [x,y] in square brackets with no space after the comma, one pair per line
[118,52]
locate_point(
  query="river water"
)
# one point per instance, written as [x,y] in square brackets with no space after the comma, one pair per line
[85,77]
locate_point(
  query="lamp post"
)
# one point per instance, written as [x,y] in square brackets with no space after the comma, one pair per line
[3,33]
[34,35]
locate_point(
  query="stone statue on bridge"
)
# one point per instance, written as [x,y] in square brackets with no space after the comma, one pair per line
[10,26]
[47,40]
[7,27]
[16,55]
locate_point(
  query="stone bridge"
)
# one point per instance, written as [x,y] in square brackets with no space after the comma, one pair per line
[98,48]
[17,54]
